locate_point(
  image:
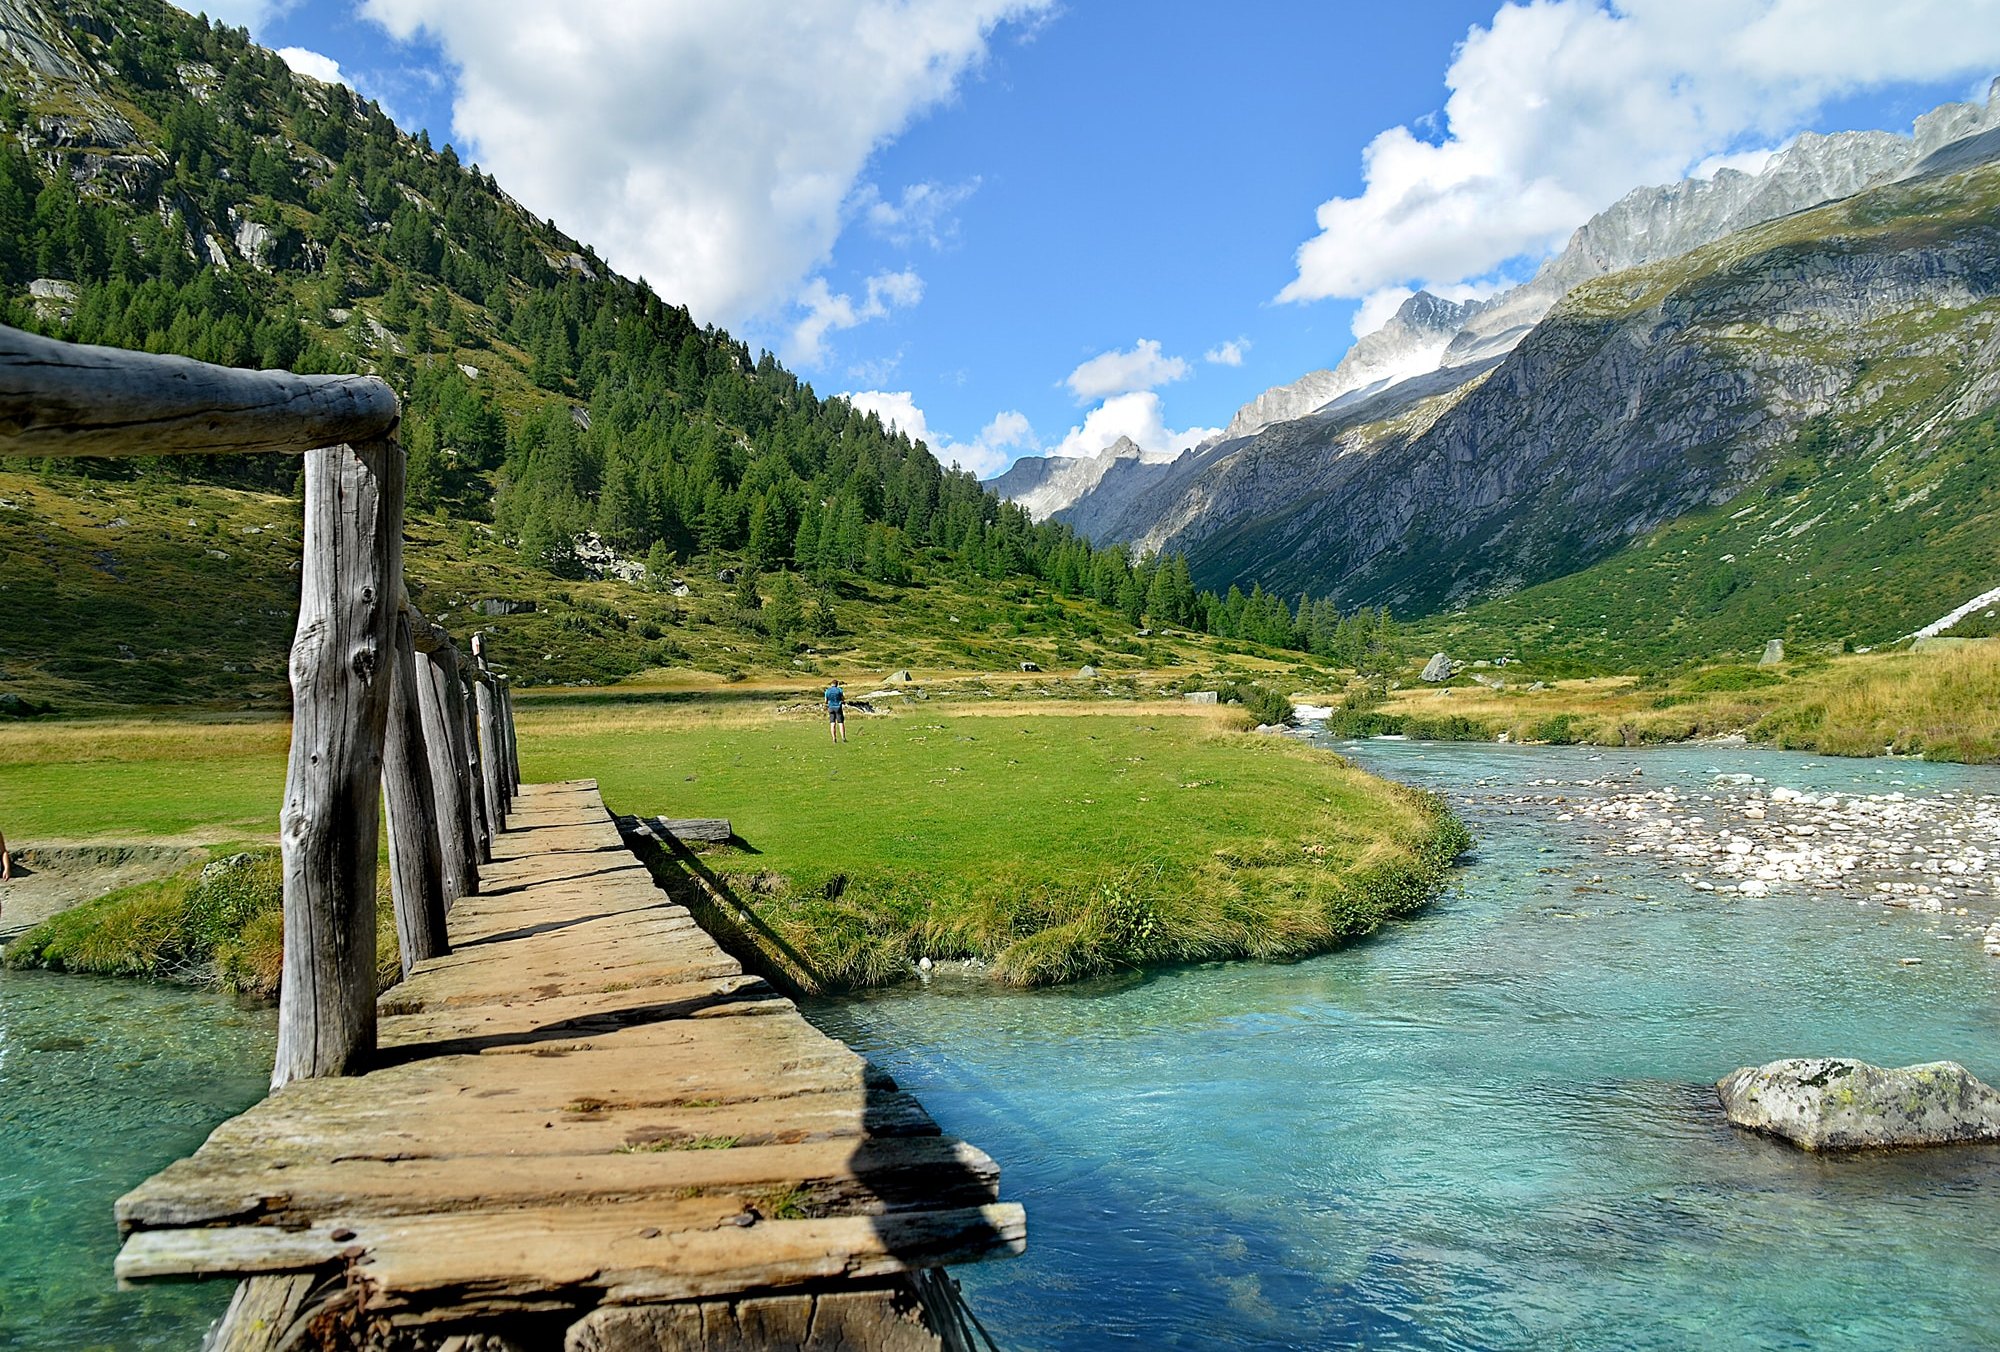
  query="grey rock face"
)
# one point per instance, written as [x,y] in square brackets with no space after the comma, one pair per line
[1245,476]
[1412,341]
[1774,653]
[1643,397]
[1438,668]
[1044,486]
[1830,1103]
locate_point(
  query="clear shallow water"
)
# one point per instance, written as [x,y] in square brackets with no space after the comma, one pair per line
[1492,1128]
[102,1083]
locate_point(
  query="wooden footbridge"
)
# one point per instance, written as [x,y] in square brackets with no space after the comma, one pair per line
[576,1123]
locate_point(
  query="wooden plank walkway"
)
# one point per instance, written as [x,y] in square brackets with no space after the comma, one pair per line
[585,1102]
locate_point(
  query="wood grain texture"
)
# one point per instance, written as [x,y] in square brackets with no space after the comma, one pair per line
[262,1312]
[416,850]
[341,664]
[70,399]
[483,824]
[490,770]
[513,741]
[584,1103]
[444,739]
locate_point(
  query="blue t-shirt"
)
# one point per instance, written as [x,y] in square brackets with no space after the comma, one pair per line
[834,695]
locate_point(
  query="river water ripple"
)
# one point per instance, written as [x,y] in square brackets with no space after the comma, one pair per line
[1495,1126]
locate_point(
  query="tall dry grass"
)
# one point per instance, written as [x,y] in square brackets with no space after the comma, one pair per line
[1942,705]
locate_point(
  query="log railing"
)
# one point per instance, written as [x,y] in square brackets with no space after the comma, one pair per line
[384,707]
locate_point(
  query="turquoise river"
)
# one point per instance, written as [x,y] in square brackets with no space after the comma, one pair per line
[1493,1127]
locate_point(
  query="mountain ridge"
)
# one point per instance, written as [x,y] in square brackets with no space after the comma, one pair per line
[1648,224]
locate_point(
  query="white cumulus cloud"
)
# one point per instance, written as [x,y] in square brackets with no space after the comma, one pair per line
[985,455]
[1560,106]
[1110,373]
[925,213]
[1227,354]
[711,148]
[826,312]
[305,61]
[1137,415]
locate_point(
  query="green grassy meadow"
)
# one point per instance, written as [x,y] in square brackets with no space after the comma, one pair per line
[1052,840]
[205,780]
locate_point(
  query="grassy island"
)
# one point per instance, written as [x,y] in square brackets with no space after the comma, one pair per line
[1046,840]
[1053,841]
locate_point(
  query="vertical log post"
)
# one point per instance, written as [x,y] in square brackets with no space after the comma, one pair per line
[341,664]
[444,740]
[416,860]
[489,751]
[475,763]
[513,741]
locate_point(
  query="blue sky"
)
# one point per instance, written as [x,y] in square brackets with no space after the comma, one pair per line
[1028,225]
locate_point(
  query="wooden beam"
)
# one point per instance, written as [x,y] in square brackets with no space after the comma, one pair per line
[710,830]
[70,399]
[489,751]
[513,741]
[441,705]
[265,1313]
[416,851]
[623,1253]
[342,657]
[475,761]
[867,1177]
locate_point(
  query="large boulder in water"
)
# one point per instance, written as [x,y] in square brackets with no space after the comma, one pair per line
[1830,1103]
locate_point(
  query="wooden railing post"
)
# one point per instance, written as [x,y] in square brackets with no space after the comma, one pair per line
[416,858]
[489,752]
[442,706]
[475,761]
[513,741]
[342,663]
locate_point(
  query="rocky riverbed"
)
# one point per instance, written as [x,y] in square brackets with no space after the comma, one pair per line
[1935,853]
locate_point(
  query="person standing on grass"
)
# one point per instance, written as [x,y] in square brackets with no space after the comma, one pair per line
[836,711]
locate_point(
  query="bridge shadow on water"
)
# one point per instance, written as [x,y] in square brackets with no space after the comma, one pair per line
[926,1210]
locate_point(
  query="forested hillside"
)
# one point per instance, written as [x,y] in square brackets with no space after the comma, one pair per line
[166,184]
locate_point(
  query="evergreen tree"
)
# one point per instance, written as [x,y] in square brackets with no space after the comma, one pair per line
[785,615]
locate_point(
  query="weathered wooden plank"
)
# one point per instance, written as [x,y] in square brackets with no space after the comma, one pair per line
[712,830]
[619,1253]
[263,1313]
[489,753]
[388,1130]
[584,1058]
[508,733]
[70,399]
[416,850]
[888,1318]
[483,825]
[523,1019]
[340,665]
[854,1177]
[444,735]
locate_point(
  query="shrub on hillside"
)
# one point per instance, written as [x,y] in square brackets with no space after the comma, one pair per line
[220,924]
[1262,703]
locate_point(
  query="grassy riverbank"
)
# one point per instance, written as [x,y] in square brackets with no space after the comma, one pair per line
[1051,840]
[1942,705]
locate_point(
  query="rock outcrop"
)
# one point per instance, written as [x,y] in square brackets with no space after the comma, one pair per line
[1463,421]
[1829,1103]
[1046,485]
